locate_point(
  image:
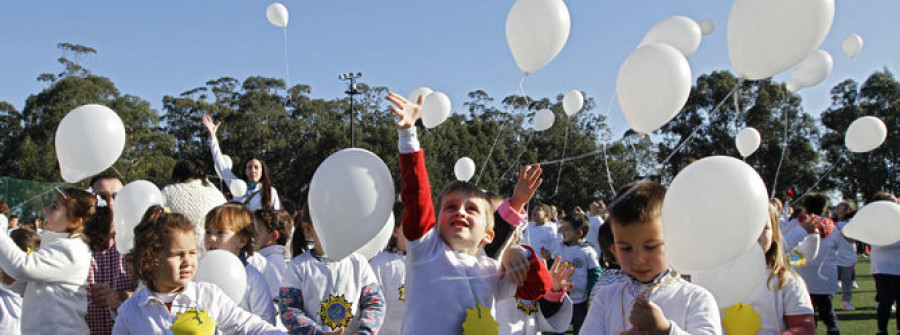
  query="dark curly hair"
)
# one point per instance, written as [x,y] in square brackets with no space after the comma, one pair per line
[150,239]
[98,230]
[275,220]
[237,218]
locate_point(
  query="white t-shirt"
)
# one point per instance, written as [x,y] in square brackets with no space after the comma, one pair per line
[545,236]
[846,252]
[820,272]
[583,259]
[594,233]
[524,317]
[321,281]
[390,269]
[885,259]
[442,284]
[773,304]
[257,299]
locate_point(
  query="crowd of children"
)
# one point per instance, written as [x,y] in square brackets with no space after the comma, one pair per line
[468,263]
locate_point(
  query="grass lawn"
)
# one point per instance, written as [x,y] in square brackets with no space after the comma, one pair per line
[863,319]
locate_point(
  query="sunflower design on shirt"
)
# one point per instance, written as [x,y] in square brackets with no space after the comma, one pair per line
[335,312]
[741,319]
[193,322]
[402,290]
[526,306]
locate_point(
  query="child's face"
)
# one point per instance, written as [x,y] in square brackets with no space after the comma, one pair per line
[538,215]
[765,239]
[225,239]
[57,217]
[640,248]
[462,222]
[179,262]
[569,234]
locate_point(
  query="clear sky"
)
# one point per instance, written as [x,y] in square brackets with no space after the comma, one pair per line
[157,48]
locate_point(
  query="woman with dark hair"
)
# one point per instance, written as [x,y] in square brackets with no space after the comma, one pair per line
[189,195]
[260,192]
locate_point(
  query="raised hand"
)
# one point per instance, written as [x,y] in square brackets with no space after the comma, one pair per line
[528,183]
[514,265]
[560,272]
[210,126]
[406,110]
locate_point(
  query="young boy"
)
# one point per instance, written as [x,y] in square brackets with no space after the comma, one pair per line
[646,296]
[450,287]
[541,233]
[584,260]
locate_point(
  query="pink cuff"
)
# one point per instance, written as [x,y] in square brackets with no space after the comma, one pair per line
[509,215]
[554,296]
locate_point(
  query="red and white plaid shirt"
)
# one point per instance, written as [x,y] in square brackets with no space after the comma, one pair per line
[107,267]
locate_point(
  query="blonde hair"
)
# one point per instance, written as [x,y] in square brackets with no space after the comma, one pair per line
[237,218]
[775,257]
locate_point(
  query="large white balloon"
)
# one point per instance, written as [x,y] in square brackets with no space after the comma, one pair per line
[380,241]
[707,26]
[812,70]
[680,32]
[766,37]
[238,188]
[89,139]
[464,169]
[277,15]
[536,31]
[573,101]
[877,223]
[714,209]
[652,86]
[226,271]
[543,120]
[350,198]
[131,203]
[734,281]
[865,134]
[435,109]
[852,45]
[416,93]
[747,141]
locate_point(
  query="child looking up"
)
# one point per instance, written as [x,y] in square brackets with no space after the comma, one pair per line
[230,227]
[324,296]
[450,286]
[647,297]
[584,260]
[165,257]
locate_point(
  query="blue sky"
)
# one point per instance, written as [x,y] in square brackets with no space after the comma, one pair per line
[157,48]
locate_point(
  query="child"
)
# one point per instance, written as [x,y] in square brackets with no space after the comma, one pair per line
[449,285]
[846,255]
[606,240]
[230,227]
[648,296]
[165,258]
[551,313]
[10,301]
[541,233]
[56,274]
[583,258]
[781,300]
[320,295]
[886,271]
[820,271]
[271,236]
[390,270]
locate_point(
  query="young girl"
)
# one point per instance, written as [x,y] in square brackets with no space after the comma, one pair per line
[56,274]
[165,258]
[230,227]
[320,295]
[272,228]
[584,259]
[260,192]
[781,300]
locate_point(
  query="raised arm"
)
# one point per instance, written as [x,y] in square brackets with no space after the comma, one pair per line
[418,209]
[52,263]
[217,155]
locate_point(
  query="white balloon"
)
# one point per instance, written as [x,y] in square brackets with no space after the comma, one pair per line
[435,109]
[877,223]
[350,198]
[714,209]
[791,86]
[536,31]
[277,15]
[707,26]
[89,139]
[652,86]
[238,188]
[865,134]
[852,45]
[129,208]
[747,141]
[812,70]
[573,101]
[226,271]
[678,31]
[464,169]
[371,248]
[734,281]
[766,37]
[543,120]
[421,91]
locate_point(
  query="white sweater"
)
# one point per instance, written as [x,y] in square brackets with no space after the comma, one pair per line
[257,299]
[194,200]
[56,276]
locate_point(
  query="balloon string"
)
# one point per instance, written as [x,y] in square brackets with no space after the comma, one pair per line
[287,71]
[605,156]
[519,92]
[48,190]
[827,172]
[784,144]
[519,156]
[559,173]
[697,130]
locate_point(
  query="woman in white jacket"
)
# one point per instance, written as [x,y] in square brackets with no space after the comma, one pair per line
[260,192]
[56,274]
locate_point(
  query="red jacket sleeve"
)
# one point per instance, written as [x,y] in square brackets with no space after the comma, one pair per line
[799,325]
[418,209]
[538,281]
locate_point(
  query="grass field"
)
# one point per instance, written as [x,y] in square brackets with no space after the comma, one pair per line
[863,319]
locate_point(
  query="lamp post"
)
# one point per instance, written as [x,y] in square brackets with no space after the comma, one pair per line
[352,90]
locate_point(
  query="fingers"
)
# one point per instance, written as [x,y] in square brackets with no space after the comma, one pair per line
[399,100]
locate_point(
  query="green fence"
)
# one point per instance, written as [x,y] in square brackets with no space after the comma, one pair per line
[27,198]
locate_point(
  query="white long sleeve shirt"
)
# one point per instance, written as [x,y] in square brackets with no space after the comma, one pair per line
[270,262]
[144,313]
[257,299]
[56,276]
[227,175]
[390,270]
